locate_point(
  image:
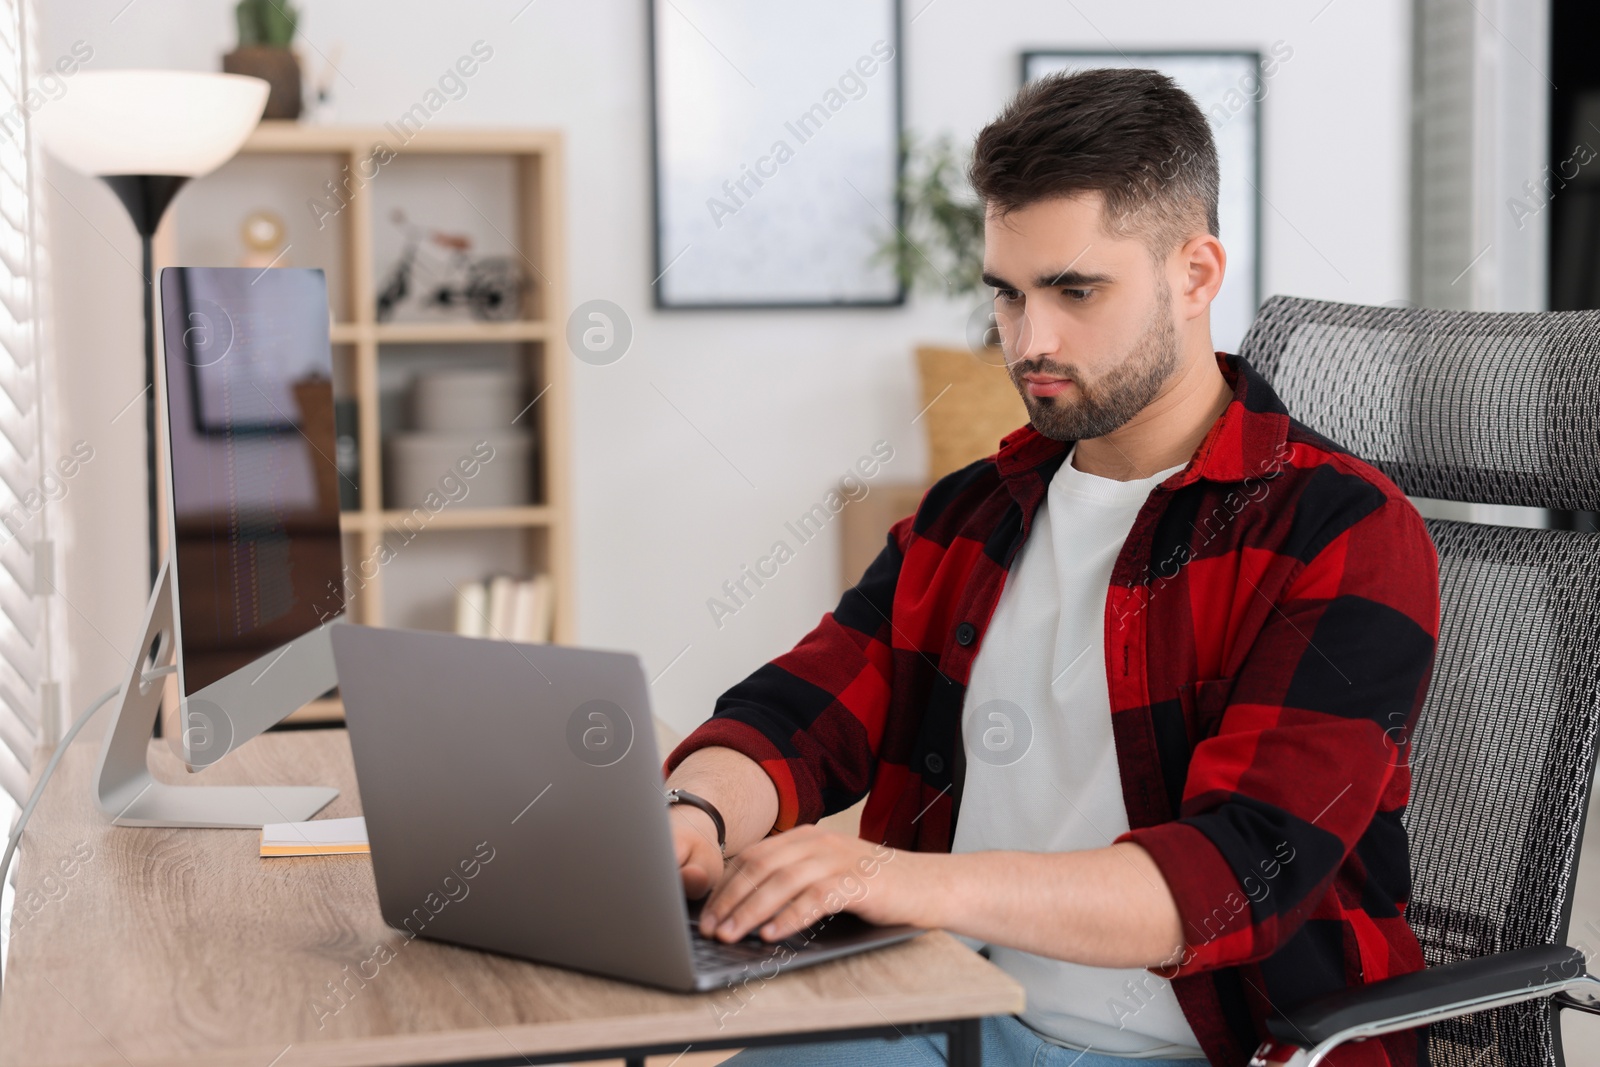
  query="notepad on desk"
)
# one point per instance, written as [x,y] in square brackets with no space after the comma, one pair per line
[320,837]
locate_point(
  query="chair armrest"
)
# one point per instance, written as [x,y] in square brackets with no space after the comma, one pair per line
[1431,994]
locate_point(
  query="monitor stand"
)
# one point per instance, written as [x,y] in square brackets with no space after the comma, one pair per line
[124,787]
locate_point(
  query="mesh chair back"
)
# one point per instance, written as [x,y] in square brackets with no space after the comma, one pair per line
[1498,409]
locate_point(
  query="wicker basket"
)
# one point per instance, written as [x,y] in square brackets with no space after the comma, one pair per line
[978,407]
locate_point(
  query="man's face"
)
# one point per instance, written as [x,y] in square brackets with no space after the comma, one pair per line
[1085,318]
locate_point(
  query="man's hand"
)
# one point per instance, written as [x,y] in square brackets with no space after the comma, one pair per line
[1103,907]
[740,790]
[785,883]
[694,838]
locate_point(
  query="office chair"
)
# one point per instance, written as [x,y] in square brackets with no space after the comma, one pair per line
[1487,408]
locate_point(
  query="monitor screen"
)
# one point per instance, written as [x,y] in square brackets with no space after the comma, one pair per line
[254,488]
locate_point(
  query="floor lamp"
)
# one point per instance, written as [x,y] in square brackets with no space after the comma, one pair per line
[145,133]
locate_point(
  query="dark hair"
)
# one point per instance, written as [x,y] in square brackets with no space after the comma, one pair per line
[1131,135]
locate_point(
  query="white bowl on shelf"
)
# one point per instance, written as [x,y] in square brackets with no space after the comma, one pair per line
[417,464]
[450,401]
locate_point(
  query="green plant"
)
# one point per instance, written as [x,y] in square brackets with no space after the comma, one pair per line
[266,23]
[939,245]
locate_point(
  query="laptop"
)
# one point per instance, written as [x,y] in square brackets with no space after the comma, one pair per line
[514,804]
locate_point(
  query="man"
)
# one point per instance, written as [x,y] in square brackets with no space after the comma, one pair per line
[1160,654]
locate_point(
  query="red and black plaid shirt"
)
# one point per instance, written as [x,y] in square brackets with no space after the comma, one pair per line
[1269,636]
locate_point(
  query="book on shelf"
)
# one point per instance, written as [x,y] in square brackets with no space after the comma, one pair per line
[502,601]
[472,609]
[506,608]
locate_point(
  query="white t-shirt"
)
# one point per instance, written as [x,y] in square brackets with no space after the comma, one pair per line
[1042,772]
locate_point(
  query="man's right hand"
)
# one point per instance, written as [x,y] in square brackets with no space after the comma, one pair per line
[741,791]
[694,839]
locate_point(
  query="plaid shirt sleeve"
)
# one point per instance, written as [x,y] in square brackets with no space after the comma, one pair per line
[814,717]
[1311,750]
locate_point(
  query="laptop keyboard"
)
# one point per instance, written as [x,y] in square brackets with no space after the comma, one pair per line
[710,954]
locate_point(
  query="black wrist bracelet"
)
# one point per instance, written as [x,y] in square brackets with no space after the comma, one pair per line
[683,796]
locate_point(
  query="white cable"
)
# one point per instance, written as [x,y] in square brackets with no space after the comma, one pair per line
[44,779]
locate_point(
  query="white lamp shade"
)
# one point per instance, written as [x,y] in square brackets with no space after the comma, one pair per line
[175,122]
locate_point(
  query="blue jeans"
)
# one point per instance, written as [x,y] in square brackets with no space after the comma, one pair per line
[1006,1043]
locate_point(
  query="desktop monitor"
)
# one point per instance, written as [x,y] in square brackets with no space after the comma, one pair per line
[254,552]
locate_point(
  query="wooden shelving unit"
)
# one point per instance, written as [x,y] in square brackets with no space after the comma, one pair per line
[284,161]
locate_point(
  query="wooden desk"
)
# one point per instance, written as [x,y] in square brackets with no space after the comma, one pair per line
[185,947]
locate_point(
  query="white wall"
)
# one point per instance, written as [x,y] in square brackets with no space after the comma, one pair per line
[791,398]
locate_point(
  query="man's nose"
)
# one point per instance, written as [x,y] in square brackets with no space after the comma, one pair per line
[1029,341]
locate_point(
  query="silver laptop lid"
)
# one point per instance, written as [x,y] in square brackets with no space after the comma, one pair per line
[528,819]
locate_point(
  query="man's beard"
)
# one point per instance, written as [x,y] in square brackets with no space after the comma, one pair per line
[1097,408]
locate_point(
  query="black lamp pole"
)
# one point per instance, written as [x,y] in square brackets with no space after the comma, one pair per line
[146,196]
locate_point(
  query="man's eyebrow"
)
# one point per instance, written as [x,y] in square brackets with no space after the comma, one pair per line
[1066,278]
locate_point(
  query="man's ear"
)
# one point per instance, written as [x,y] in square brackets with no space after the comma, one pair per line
[1201,262]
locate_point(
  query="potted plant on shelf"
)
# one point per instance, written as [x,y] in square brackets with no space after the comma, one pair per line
[265,29]
[968,399]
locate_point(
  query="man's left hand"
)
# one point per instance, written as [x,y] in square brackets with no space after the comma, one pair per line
[787,882]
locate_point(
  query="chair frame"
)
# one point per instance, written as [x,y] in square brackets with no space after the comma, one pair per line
[1556,973]
[1438,993]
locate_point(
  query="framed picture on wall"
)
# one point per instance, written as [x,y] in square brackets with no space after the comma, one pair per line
[775,133]
[1229,87]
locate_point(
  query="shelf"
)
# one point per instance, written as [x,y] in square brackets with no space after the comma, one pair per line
[452,518]
[288,135]
[455,332]
[412,333]
[508,181]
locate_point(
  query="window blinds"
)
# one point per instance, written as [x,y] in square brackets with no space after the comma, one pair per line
[26,710]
